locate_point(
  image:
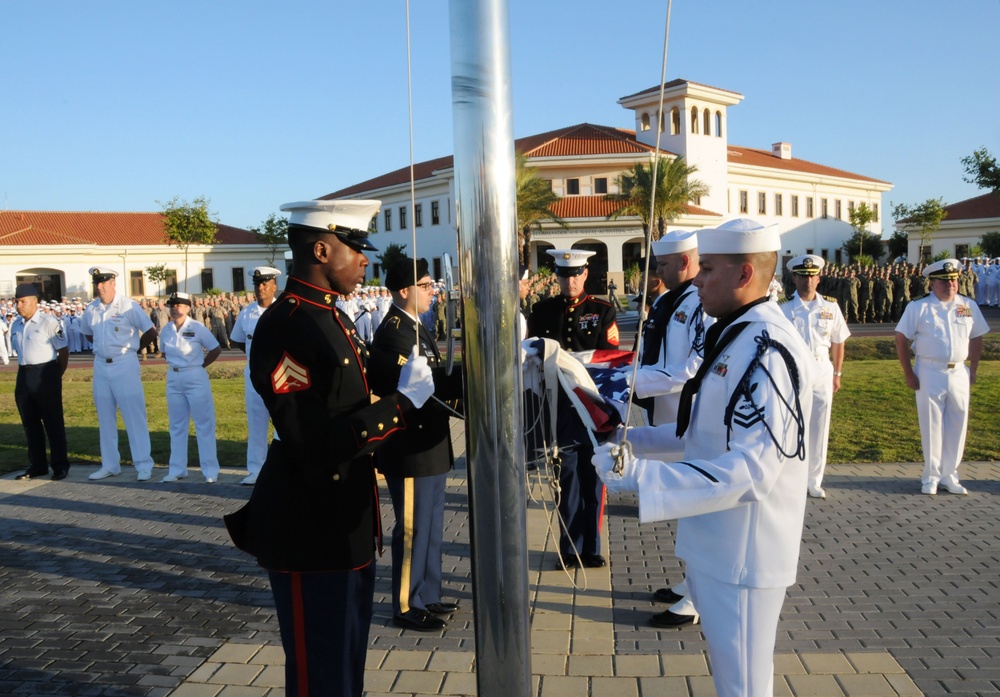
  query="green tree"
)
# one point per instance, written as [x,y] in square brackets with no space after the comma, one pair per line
[534,200]
[861,217]
[157,274]
[899,244]
[390,256]
[990,242]
[864,246]
[667,199]
[981,169]
[273,232]
[923,218]
[185,224]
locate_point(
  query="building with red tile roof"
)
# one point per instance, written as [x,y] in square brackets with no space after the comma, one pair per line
[54,249]
[963,227]
[809,201]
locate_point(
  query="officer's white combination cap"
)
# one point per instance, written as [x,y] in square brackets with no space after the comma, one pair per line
[806,264]
[570,258]
[675,242]
[945,269]
[265,273]
[102,273]
[739,236]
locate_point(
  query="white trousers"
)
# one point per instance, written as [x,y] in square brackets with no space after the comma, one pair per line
[684,606]
[740,625]
[118,387]
[943,413]
[189,396]
[258,423]
[818,435]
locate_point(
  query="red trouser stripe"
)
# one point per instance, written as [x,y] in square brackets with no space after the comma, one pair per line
[299,628]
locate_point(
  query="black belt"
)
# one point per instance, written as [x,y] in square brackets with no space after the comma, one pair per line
[35,366]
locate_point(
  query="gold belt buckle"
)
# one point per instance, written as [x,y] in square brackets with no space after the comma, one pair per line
[951,366]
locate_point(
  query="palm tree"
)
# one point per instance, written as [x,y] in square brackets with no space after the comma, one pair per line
[534,198]
[674,190]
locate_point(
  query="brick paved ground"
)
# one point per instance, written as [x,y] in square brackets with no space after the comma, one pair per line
[120,588]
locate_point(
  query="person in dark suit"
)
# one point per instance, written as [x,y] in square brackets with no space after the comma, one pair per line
[415,463]
[312,518]
[42,357]
[579,322]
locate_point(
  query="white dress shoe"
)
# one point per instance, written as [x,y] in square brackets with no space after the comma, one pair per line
[816,492]
[956,489]
[173,477]
[143,477]
[930,488]
[210,480]
[249,480]
[102,474]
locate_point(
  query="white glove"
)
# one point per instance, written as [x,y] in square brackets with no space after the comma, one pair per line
[605,457]
[416,381]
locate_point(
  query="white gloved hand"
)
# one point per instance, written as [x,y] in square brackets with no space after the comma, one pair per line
[416,381]
[605,457]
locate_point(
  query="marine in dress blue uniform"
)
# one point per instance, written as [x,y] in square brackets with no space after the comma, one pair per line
[312,519]
[42,357]
[416,462]
[579,322]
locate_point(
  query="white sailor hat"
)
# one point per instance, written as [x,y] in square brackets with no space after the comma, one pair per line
[348,219]
[806,265]
[179,299]
[100,274]
[946,269]
[739,236]
[570,262]
[263,273]
[675,242]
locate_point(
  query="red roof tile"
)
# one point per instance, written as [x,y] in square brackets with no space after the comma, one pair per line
[27,228]
[764,158]
[599,207]
[985,206]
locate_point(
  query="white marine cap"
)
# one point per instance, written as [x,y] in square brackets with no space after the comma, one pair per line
[570,262]
[946,269]
[675,242]
[179,298]
[102,273]
[348,219]
[806,265]
[739,236]
[260,274]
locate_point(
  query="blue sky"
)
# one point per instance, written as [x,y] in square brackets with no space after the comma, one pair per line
[113,106]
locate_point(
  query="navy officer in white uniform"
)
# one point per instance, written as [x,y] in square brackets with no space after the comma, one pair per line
[265,286]
[819,321]
[118,328]
[189,347]
[740,491]
[945,329]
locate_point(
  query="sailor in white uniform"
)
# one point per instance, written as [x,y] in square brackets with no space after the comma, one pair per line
[265,286]
[189,347]
[740,492]
[945,330]
[118,328]
[819,321]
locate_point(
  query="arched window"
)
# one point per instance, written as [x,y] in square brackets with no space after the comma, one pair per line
[663,126]
[718,124]
[707,122]
[675,121]
[694,120]
[645,122]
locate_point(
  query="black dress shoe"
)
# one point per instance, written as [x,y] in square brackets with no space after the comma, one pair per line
[569,561]
[31,475]
[672,619]
[419,620]
[441,608]
[593,561]
[56,476]
[667,595]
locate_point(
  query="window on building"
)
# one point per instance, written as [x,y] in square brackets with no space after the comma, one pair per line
[874,212]
[707,122]
[718,124]
[925,253]
[375,271]
[663,122]
[694,120]
[435,213]
[795,206]
[675,121]
[402,217]
[761,203]
[838,256]
[850,209]
[572,187]
[437,268]
[961,250]
[697,200]
[600,185]
[809,207]
[825,253]
[137,284]
[744,204]
[824,209]
[418,215]
[170,281]
[778,204]
[644,121]
[207,280]
[388,219]
[239,280]
[373,224]
[809,250]
[836,208]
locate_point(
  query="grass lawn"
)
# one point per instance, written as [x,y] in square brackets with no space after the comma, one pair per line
[874,414]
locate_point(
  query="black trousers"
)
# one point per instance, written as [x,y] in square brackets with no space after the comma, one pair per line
[38,395]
